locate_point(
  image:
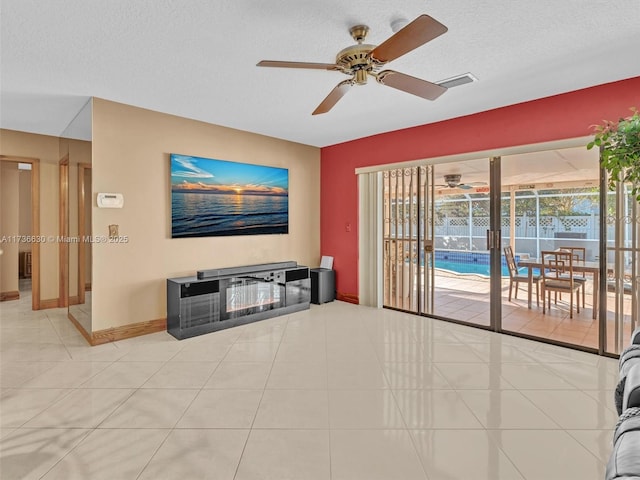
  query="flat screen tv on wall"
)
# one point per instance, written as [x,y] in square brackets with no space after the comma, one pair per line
[220,198]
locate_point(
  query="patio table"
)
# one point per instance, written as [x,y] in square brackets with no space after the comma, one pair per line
[578,266]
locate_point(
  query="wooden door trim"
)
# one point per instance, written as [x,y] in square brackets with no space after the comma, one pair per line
[82,232]
[63,226]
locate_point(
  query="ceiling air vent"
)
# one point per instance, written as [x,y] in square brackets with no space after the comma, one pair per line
[458,80]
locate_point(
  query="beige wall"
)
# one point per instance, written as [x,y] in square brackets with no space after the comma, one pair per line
[9,225]
[46,149]
[49,216]
[21,144]
[131,148]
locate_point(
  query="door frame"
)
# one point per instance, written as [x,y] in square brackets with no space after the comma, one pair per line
[82,232]
[63,246]
[494,234]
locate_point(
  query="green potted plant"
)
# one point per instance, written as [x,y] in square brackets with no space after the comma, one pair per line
[619,145]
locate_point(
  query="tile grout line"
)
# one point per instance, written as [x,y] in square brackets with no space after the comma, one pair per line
[139,388]
[173,428]
[329,430]
[255,415]
[404,422]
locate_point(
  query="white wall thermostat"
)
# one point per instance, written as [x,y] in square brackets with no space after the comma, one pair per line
[110,200]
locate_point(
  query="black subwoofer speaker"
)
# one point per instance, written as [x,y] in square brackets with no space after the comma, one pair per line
[323,285]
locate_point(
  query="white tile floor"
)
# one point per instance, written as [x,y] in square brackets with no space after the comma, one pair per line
[337,392]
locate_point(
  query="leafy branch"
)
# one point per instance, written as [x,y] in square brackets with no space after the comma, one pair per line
[619,145]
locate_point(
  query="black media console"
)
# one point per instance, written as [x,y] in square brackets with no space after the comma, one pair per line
[225,297]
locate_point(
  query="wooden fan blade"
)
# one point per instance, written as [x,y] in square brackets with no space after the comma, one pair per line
[309,65]
[336,94]
[410,84]
[422,30]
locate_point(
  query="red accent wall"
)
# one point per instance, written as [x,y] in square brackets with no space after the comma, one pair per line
[559,117]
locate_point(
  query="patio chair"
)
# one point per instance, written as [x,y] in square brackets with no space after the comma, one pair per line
[579,254]
[558,277]
[627,286]
[515,277]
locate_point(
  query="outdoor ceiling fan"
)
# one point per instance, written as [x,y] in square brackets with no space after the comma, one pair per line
[362,60]
[452,180]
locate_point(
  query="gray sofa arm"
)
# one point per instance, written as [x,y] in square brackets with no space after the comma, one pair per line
[635,337]
[628,359]
[631,398]
[624,462]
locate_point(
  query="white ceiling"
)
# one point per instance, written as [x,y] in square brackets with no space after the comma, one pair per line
[197,59]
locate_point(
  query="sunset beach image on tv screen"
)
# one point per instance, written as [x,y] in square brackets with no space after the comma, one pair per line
[220,198]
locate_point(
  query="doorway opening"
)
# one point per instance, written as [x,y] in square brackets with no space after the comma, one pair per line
[20,228]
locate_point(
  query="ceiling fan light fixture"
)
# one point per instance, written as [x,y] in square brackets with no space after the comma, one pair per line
[452,179]
[398,24]
[360,77]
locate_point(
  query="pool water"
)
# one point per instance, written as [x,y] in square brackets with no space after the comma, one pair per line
[473,262]
[477,268]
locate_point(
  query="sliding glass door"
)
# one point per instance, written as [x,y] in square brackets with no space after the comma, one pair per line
[622,254]
[450,232]
[462,258]
[435,257]
[407,239]
[550,203]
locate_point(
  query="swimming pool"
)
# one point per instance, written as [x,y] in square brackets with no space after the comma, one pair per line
[478,269]
[468,262]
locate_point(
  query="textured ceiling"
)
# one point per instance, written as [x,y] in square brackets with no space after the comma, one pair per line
[197,59]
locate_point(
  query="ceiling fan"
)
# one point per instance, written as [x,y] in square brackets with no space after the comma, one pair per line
[362,60]
[452,180]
